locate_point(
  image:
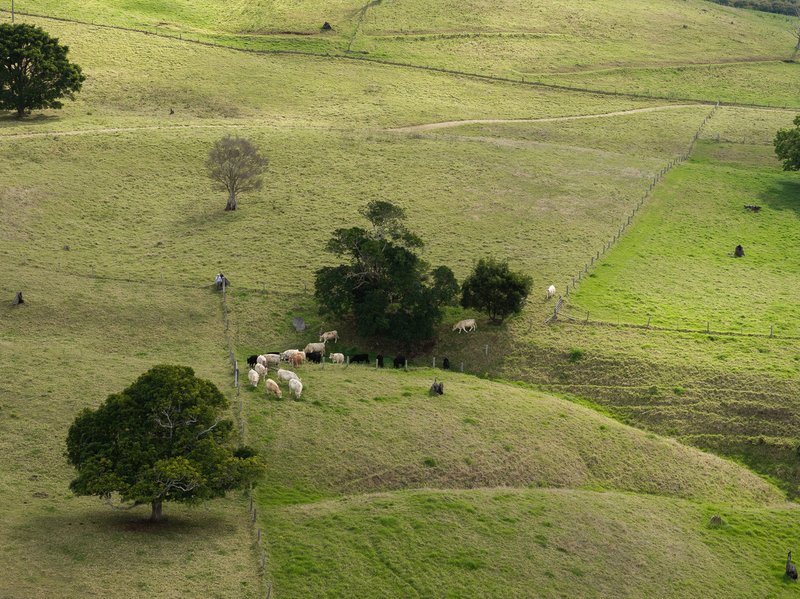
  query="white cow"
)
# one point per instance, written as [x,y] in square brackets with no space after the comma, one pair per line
[327,336]
[337,358]
[296,388]
[315,347]
[272,359]
[288,354]
[261,360]
[272,387]
[260,369]
[465,325]
[551,291]
[286,375]
[253,377]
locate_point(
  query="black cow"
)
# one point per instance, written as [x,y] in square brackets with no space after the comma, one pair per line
[446,364]
[314,356]
[399,361]
[360,359]
[738,252]
[379,357]
[251,361]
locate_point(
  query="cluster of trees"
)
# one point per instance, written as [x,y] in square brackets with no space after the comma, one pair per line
[787,146]
[390,291]
[784,7]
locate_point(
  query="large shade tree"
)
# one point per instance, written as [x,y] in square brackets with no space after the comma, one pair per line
[34,70]
[384,285]
[161,439]
[787,146]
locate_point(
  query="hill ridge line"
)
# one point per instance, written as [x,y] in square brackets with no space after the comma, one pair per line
[536,84]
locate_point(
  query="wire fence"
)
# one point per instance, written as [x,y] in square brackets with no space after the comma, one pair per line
[583,272]
[260,538]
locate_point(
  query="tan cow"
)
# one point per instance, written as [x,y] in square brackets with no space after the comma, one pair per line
[465,325]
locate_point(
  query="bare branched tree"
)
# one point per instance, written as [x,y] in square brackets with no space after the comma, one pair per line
[234,165]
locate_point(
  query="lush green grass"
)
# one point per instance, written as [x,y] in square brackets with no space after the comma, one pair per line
[522,543]
[676,264]
[360,429]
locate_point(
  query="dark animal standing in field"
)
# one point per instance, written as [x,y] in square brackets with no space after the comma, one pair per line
[752,208]
[360,359]
[399,361]
[738,252]
[436,388]
[252,360]
[791,571]
[314,356]
[446,364]
[326,26]
[379,357]
[171,111]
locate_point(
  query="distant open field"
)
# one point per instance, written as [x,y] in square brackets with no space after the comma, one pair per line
[109,227]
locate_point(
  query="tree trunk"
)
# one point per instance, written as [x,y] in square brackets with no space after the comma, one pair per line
[231,205]
[155,515]
[20,112]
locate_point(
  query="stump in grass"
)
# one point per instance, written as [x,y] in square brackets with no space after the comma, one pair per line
[716,521]
[18,299]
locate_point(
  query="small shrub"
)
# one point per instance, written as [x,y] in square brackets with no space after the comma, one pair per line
[429,462]
[575,355]
[678,390]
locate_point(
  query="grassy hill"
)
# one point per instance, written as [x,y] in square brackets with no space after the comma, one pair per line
[473,489]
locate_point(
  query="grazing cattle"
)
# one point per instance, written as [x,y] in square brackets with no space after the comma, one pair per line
[379,358]
[325,337]
[296,388]
[551,291]
[465,325]
[260,369]
[253,377]
[272,387]
[262,360]
[752,208]
[319,347]
[252,360]
[297,359]
[399,361]
[446,364]
[288,353]
[314,356]
[738,252]
[360,359]
[337,358]
[286,375]
[274,359]
[791,570]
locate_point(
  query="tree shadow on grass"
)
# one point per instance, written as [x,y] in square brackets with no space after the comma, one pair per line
[783,194]
[10,120]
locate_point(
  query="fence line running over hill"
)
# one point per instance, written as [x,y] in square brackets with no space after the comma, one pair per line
[259,536]
[616,237]
[521,81]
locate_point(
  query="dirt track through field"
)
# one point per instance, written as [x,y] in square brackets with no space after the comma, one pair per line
[445,124]
[106,130]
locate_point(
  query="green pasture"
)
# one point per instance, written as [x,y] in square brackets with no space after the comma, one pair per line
[677,266]
[374,488]
[76,340]
[506,542]
[510,38]
[764,83]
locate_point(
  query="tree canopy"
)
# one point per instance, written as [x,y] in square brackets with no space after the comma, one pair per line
[161,439]
[34,70]
[235,165]
[787,146]
[384,285]
[495,289]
